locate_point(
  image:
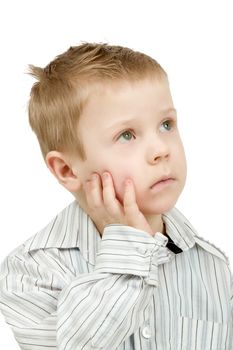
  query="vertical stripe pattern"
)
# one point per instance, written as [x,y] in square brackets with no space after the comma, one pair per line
[68,289]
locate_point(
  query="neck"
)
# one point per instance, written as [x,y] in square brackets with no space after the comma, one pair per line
[156,223]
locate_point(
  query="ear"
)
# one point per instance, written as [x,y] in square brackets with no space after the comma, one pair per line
[60,167]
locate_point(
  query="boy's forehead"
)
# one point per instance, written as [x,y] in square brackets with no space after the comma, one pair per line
[119,98]
[118,88]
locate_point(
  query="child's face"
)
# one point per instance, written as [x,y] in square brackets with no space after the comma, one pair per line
[144,149]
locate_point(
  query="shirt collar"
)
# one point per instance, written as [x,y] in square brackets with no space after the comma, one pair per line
[73,228]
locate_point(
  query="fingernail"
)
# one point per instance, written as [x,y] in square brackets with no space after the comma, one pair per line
[105,176]
[127,182]
[93,176]
[86,184]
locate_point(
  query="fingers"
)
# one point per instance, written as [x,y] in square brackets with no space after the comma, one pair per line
[94,192]
[130,204]
[100,194]
[102,201]
[109,197]
[134,216]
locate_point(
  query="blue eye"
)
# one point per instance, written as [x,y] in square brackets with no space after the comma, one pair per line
[127,135]
[169,123]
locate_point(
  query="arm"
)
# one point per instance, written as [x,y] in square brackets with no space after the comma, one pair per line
[93,311]
[231,294]
[117,294]
[98,310]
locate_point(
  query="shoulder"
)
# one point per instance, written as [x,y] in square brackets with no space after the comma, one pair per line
[60,232]
[212,248]
[205,244]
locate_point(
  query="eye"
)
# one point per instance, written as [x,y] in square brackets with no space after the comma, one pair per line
[168,124]
[125,136]
[128,135]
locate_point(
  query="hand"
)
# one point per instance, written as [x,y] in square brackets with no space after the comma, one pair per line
[105,207]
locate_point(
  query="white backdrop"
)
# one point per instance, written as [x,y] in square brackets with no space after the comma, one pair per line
[192,40]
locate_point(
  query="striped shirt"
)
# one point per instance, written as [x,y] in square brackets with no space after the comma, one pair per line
[66,288]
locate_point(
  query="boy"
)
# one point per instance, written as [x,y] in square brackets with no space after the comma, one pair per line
[120,267]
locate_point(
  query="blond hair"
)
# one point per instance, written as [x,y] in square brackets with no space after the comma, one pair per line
[59,96]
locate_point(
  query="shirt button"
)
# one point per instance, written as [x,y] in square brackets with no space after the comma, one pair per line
[142,251]
[146,332]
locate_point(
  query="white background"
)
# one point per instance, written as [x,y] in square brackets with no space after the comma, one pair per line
[192,40]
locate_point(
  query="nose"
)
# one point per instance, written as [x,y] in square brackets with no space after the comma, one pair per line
[157,150]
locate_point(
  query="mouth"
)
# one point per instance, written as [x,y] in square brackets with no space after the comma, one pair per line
[163,182]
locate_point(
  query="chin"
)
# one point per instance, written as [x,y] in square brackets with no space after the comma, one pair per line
[159,207]
[156,211]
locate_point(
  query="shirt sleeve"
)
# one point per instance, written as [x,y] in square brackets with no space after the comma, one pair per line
[49,309]
[231,296]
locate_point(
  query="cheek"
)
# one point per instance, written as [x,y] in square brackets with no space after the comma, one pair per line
[182,160]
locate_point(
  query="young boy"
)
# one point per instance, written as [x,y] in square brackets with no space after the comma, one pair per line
[120,267]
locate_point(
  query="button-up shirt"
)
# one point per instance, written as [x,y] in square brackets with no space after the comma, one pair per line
[67,288]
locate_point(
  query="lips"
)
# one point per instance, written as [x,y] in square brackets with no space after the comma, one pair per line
[163,178]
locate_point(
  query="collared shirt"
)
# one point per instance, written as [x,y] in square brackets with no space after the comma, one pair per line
[68,289]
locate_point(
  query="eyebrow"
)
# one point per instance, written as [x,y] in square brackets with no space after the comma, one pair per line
[128,121]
